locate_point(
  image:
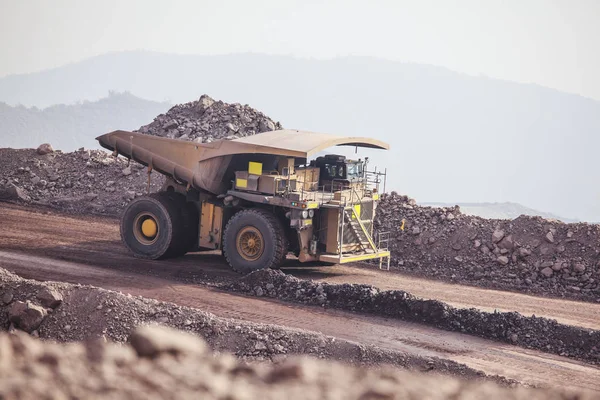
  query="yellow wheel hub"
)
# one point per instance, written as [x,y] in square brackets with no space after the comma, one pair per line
[149,228]
[145,228]
[250,243]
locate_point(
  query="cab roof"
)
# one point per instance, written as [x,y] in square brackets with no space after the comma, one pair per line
[296,143]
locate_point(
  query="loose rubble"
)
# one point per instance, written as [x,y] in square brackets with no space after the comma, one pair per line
[207,120]
[531,332]
[84,181]
[160,363]
[527,254]
[84,313]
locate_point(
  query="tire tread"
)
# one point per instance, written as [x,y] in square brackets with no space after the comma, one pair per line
[275,227]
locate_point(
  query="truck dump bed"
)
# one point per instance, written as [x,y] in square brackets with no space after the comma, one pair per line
[211,166]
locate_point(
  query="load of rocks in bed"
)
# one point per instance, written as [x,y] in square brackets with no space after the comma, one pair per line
[206,120]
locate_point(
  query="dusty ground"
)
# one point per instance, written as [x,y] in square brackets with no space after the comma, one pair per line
[87,250]
[181,367]
[509,327]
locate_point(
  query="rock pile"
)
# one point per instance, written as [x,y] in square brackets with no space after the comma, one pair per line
[84,181]
[527,254]
[206,120]
[28,315]
[182,367]
[509,327]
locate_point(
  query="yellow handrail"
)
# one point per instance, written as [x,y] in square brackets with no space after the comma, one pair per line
[364,229]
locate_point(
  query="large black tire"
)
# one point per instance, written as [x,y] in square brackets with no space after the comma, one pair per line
[254,225]
[160,209]
[190,221]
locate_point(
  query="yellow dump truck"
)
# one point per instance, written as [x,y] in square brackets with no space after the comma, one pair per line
[255,199]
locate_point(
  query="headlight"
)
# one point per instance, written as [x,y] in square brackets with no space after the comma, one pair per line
[304,214]
[311,213]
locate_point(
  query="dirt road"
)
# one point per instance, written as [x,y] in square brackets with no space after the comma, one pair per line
[87,250]
[568,312]
[97,239]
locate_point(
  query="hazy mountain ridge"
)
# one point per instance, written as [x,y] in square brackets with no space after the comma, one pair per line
[91,78]
[451,135]
[68,127]
[506,210]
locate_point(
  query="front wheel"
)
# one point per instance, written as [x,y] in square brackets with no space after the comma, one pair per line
[254,239]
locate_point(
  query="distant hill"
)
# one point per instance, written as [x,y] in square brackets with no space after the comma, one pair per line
[69,127]
[499,210]
[452,135]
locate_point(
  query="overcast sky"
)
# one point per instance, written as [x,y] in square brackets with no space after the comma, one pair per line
[552,43]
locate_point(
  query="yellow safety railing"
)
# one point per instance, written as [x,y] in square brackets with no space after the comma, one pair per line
[364,229]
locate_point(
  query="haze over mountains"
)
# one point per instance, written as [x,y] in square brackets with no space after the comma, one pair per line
[69,127]
[453,136]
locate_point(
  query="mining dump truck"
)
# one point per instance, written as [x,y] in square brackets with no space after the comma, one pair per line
[256,199]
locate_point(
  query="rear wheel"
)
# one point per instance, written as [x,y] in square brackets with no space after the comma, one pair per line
[151,227]
[254,239]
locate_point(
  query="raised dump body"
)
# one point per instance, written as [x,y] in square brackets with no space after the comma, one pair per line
[254,198]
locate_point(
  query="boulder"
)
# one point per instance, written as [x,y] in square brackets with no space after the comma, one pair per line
[579,267]
[523,252]
[497,236]
[507,243]
[26,315]
[49,298]
[266,125]
[204,102]
[7,296]
[503,260]
[12,192]
[151,341]
[45,148]
[558,265]
[547,272]
[170,125]
[129,195]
